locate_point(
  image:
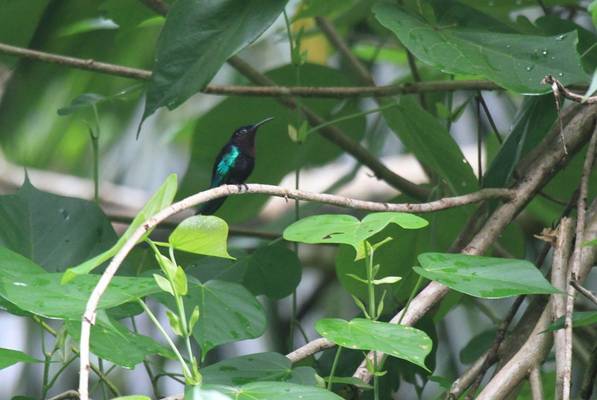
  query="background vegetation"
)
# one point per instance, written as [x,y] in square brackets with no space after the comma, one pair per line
[467,129]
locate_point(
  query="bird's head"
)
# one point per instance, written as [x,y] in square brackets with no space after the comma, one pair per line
[247,133]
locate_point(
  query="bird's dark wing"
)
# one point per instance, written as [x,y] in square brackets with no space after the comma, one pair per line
[224,165]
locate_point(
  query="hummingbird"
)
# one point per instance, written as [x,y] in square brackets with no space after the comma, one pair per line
[234,163]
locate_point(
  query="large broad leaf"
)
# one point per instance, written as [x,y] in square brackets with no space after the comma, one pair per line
[535,117]
[346,229]
[256,367]
[477,346]
[399,341]
[32,289]
[132,348]
[277,154]
[260,391]
[228,313]
[54,231]
[516,62]
[202,234]
[198,37]
[161,199]
[423,135]
[486,277]
[10,357]
[273,270]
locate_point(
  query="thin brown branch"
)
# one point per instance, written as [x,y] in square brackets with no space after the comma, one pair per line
[258,91]
[577,261]
[171,224]
[353,62]
[313,347]
[227,190]
[559,280]
[585,292]
[68,395]
[338,137]
[557,87]
[528,357]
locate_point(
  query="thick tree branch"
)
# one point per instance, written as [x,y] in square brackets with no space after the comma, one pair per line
[228,190]
[258,91]
[533,352]
[536,384]
[577,132]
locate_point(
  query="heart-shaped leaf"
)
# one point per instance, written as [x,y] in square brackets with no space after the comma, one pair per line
[202,234]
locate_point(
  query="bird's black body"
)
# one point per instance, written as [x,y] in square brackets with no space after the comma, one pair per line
[234,163]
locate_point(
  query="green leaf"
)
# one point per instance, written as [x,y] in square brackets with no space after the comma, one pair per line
[161,199]
[174,322]
[29,287]
[399,341]
[532,123]
[388,280]
[202,234]
[197,38]
[262,391]
[194,318]
[252,368]
[424,136]
[590,243]
[53,231]
[229,313]
[10,357]
[273,270]
[200,393]
[579,318]
[477,346]
[516,62]
[346,229]
[131,350]
[485,277]
[81,102]
[180,282]
[592,87]
[277,155]
[163,283]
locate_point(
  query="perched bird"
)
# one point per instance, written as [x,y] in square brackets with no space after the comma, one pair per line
[234,163]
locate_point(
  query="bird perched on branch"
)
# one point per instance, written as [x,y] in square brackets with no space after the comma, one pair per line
[234,163]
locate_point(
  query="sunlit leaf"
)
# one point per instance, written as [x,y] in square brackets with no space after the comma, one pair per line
[202,234]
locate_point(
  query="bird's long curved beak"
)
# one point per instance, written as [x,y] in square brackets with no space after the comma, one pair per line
[258,124]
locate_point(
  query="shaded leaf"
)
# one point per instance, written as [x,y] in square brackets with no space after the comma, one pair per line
[252,368]
[10,357]
[32,289]
[131,350]
[579,318]
[197,38]
[516,62]
[53,231]
[263,391]
[161,198]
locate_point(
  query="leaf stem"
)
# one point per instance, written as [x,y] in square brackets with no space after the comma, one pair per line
[153,319]
[333,370]
[412,295]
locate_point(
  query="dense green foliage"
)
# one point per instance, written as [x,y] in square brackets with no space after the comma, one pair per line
[208,283]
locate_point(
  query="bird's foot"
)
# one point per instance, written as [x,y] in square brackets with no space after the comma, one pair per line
[242,186]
